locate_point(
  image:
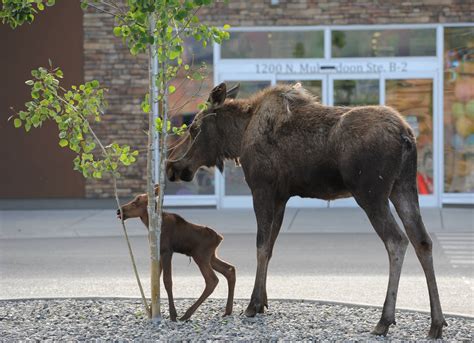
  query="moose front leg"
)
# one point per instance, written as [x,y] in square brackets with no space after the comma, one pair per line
[166,265]
[269,213]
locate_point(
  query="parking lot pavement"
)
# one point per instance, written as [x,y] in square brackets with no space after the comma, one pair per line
[345,267]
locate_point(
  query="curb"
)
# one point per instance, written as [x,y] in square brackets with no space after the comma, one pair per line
[327,302]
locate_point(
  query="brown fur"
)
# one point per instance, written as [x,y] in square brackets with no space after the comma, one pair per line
[196,241]
[289,144]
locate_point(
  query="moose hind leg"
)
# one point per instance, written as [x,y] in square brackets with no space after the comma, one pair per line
[211,282]
[396,243]
[229,273]
[405,200]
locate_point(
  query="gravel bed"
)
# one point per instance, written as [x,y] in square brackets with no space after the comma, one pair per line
[124,319]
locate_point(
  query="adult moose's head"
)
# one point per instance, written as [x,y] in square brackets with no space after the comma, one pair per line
[202,144]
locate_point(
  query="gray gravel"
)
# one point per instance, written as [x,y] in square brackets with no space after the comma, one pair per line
[124,319]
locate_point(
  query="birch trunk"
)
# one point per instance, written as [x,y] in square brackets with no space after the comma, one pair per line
[154,217]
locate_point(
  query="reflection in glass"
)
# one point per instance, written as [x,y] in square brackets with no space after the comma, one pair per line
[356,92]
[234,176]
[274,44]
[384,43]
[314,86]
[459,110]
[183,106]
[413,98]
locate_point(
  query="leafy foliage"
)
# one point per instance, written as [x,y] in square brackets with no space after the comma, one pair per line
[18,12]
[71,110]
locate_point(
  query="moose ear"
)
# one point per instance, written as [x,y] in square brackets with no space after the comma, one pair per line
[232,93]
[217,96]
[220,165]
[157,189]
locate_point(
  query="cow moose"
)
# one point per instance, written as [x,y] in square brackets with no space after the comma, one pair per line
[289,144]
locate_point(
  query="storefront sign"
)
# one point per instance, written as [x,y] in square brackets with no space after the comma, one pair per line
[329,68]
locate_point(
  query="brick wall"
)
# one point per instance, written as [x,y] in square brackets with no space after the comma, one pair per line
[108,60]
[339,12]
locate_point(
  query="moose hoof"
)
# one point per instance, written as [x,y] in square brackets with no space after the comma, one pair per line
[253,309]
[436,330]
[184,318]
[381,329]
[173,318]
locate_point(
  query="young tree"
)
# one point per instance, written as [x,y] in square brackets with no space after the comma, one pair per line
[156,27]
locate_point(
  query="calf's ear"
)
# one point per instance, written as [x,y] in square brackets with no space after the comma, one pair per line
[233,92]
[218,95]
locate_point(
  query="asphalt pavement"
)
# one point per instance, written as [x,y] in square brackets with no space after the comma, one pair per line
[321,254]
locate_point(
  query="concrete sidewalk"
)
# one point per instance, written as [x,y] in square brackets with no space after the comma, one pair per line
[103,223]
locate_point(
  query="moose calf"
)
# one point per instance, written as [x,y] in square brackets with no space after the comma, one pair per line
[196,241]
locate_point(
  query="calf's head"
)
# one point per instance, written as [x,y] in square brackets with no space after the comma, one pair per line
[137,208]
[199,146]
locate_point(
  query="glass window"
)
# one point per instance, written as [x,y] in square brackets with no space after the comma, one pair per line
[183,106]
[383,43]
[235,183]
[413,98]
[356,92]
[274,44]
[459,110]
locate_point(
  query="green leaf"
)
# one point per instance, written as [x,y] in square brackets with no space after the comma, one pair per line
[226,27]
[174,54]
[171,89]
[117,31]
[17,122]
[63,143]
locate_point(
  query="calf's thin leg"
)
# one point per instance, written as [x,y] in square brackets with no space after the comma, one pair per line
[211,280]
[405,199]
[396,243]
[269,212]
[166,265]
[229,273]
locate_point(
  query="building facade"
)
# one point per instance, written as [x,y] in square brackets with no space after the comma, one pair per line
[416,56]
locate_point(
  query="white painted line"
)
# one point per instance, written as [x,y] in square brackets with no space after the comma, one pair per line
[468,240]
[454,236]
[457,247]
[462,261]
[460,253]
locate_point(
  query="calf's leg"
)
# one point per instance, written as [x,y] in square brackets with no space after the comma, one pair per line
[405,199]
[396,242]
[269,212]
[229,273]
[166,265]
[211,280]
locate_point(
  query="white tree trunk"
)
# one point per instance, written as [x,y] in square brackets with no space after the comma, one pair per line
[153,217]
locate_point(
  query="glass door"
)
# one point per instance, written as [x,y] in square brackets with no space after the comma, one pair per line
[353,90]
[232,188]
[414,96]
[317,85]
